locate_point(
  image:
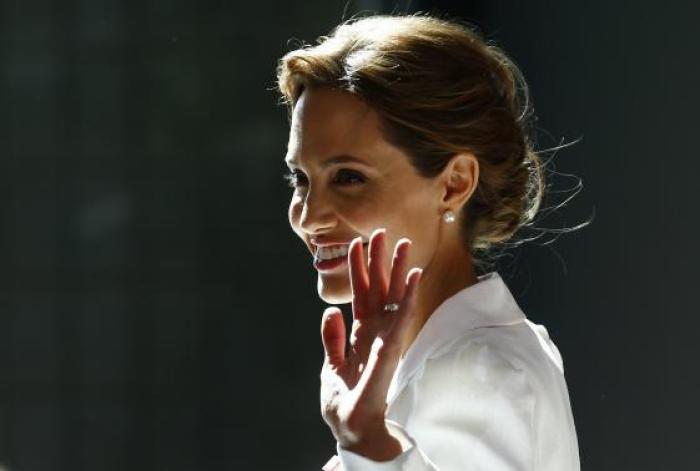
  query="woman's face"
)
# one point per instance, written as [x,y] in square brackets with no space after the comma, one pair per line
[349,181]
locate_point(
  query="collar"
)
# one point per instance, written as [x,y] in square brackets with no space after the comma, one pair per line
[486,303]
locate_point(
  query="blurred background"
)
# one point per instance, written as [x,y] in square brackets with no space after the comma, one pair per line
[158,313]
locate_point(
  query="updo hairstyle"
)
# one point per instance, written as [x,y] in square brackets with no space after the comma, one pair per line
[439,89]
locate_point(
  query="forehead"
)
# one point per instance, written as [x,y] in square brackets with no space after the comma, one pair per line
[328,122]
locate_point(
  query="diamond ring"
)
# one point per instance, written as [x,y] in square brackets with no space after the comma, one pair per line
[391,307]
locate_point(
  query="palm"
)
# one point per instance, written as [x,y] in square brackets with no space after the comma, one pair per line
[354,383]
[356,358]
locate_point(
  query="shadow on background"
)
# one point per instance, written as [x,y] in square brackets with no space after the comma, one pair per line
[158,312]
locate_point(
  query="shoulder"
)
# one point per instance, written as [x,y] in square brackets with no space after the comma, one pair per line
[477,383]
[520,359]
[479,364]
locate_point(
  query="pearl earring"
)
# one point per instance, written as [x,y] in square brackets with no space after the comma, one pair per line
[448,216]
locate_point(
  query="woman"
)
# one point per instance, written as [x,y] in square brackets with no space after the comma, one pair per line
[411,133]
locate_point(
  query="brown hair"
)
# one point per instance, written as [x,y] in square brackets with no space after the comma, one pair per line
[440,89]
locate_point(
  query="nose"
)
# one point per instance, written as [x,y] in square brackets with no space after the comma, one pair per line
[317,214]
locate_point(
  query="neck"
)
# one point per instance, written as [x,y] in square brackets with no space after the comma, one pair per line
[439,281]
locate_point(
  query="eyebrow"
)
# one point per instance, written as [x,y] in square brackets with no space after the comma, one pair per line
[338,159]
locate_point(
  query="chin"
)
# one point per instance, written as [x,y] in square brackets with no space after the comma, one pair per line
[334,293]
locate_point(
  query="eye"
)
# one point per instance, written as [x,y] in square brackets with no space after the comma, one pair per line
[344,177]
[295,178]
[349,177]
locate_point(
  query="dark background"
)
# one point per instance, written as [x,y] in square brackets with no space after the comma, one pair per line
[156,310]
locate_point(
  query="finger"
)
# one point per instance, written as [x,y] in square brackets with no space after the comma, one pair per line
[399,328]
[398,271]
[333,336]
[378,283]
[358,278]
[386,350]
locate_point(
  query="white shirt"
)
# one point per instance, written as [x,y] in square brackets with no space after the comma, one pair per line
[481,388]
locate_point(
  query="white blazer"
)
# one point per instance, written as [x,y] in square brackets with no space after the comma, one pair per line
[481,388]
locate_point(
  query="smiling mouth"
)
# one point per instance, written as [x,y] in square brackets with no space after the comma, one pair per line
[345,246]
[334,263]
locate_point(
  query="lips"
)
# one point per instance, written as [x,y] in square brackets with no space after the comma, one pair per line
[315,249]
[332,263]
[318,242]
[330,242]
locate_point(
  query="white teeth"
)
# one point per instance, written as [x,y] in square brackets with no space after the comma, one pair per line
[326,253]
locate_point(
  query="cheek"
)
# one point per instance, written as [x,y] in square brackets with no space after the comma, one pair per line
[417,219]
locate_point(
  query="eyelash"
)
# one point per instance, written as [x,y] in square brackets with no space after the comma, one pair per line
[294,176]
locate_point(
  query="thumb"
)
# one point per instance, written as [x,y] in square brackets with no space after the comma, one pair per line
[333,335]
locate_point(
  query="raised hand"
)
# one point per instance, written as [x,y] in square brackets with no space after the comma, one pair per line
[355,382]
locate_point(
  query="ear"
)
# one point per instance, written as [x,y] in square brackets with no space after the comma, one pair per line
[460,178]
